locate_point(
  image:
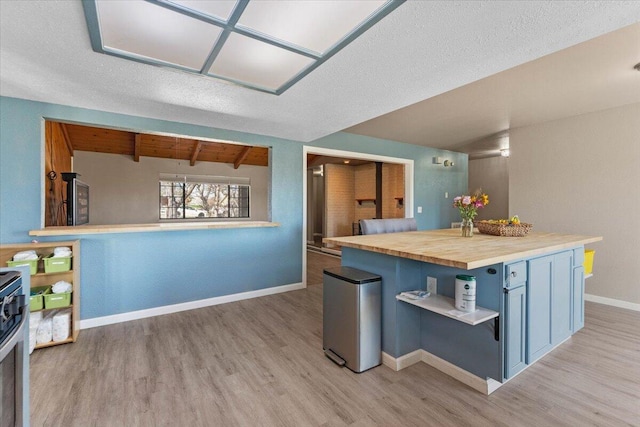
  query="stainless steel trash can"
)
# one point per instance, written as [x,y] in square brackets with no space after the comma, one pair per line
[352,323]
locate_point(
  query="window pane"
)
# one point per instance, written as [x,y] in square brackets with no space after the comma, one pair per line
[171,196]
[203,200]
[239,201]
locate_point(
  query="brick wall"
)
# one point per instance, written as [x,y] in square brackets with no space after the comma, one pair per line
[339,200]
[392,187]
[365,188]
[344,185]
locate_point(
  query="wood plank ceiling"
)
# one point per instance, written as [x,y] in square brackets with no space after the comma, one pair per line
[136,145]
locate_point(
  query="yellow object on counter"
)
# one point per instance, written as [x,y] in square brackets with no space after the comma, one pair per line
[588,261]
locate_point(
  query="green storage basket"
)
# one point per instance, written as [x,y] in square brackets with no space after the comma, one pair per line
[57,300]
[36,302]
[32,263]
[57,265]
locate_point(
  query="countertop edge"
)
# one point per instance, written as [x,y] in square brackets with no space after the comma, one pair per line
[147,228]
[472,264]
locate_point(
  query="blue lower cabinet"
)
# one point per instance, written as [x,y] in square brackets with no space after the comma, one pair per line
[540,279]
[562,296]
[578,299]
[515,324]
[550,302]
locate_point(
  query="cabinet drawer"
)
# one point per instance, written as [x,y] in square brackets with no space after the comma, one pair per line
[515,273]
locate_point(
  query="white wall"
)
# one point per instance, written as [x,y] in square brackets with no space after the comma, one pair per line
[126,192]
[492,175]
[581,175]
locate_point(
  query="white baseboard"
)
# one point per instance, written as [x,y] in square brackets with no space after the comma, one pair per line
[484,386]
[613,302]
[403,361]
[191,305]
[332,251]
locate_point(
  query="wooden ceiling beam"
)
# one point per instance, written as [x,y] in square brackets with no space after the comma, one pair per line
[136,147]
[139,144]
[196,150]
[67,140]
[243,155]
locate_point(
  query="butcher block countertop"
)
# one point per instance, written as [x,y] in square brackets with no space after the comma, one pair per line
[448,247]
[146,228]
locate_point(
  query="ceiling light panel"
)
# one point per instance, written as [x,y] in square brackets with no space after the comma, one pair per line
[314,25]
[264,45]
[151,31]
[250,61]
[220,8]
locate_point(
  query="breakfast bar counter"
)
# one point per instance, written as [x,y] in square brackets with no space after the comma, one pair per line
[529,296]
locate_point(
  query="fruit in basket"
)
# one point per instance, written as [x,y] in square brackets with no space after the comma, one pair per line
[514,220]
[497,221]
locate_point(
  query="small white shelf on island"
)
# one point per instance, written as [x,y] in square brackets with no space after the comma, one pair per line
[446,307]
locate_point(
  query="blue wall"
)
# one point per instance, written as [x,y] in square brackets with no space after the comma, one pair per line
[127,272]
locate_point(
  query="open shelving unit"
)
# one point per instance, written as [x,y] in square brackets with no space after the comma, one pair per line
[445,306]
[361,201]
[46,279]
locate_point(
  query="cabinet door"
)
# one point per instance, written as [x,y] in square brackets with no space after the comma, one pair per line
[577,309]
[561,297]
[539,284]
[515,303]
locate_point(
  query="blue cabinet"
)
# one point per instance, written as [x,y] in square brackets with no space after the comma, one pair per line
[515,329]
[561,297]
[540,278]
[515,318]
[577,308]
[550,301]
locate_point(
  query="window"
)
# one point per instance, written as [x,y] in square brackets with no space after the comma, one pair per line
[187,199]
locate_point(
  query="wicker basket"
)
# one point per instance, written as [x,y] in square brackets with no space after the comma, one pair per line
[504,230]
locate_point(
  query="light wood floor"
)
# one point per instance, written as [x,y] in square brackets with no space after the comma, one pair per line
[260,363]
[316,262]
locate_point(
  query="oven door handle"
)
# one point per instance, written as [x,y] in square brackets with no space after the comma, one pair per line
[16,336]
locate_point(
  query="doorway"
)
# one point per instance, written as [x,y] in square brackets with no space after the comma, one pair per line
[342,187]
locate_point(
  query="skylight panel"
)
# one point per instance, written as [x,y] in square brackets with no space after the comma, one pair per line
[220,9]
[250,61]
[315,24]
[144,29]
[266,45]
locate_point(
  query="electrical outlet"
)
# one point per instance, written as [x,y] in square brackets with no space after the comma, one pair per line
[432,285]
[419,209]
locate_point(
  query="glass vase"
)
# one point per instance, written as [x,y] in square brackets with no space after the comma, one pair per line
[467,227]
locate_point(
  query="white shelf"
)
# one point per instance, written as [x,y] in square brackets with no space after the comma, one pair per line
[445,305]
[588,275]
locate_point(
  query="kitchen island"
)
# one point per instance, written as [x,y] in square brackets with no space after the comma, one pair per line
[529,295]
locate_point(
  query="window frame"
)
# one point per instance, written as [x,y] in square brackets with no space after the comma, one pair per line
[164,181]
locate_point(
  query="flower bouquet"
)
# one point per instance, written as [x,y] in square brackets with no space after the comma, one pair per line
[468,207]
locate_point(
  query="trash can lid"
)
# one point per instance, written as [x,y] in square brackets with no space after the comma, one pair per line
[352,275]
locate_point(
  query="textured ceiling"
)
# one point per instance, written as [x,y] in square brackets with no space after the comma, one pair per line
[592,76]
[420,50]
